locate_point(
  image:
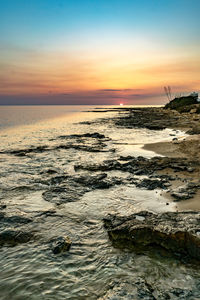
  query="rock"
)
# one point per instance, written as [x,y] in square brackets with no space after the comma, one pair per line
[95,135]
[61,244]
[193,111]
[140,289]
[24,152]
[119,290]
[64,194]
[3,206]
[176,232]
[49,171]
[87,148]
[140,165]
[90,179]
[186,191]
[14,237]
[151,184]
[154,119]
[194,130]
[14,219]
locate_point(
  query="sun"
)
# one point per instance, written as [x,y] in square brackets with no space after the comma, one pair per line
[121,104]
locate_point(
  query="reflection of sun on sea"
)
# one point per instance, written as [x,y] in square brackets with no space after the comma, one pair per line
[121,104]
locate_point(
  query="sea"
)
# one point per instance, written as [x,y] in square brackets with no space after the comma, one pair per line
[40,147]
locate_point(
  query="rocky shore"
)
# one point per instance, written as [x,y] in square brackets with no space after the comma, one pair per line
[178,173]
[74,175]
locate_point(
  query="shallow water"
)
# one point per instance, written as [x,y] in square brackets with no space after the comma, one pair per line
[31,270]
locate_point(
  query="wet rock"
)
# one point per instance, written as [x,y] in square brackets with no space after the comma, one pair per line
[95,181]
[14,219]
[61,244]
[95,135]
[139,288]
[14,237]
[90,179]
[152,184]
[194,130]
[24,152]
[64,194]
[49,171]
[58,179]
[153,119]
[47,213]
[87,148]
[140,165]
[176,232]
[74,187]
[155,126]
[186,191]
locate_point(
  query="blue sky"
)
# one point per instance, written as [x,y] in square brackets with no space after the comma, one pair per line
[93,33]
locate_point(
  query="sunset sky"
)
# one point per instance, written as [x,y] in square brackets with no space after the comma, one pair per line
[98,51]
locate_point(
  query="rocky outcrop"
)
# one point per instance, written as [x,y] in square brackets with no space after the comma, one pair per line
[154,119]
[140,165]
[180,102]
[186,191]
[176,232]
[64,188]
[139,289]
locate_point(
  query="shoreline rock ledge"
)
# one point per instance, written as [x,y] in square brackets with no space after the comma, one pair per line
[176,232]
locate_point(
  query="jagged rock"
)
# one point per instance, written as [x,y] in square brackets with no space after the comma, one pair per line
[74,187]
[64,194]
[97,181]
[140,165]
[87,148]
[90,179]
[95,135]
[152,184]
[139,288]
[186,191]
[61,244]
[14,219]
[14,237]
[24,152]
[153,119]
[176,232]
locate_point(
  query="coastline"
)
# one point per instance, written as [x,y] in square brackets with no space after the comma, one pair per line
[188,149]
[178,150]
[75,189]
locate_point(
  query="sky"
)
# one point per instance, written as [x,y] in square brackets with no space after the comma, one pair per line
[98,51]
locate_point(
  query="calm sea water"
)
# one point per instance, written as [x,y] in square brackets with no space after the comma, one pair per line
[31,270]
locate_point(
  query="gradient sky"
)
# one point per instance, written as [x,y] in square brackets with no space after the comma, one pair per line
[98,51]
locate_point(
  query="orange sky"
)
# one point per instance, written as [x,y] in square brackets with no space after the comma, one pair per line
[122,62]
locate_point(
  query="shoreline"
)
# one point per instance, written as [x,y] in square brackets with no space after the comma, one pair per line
[185,149]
